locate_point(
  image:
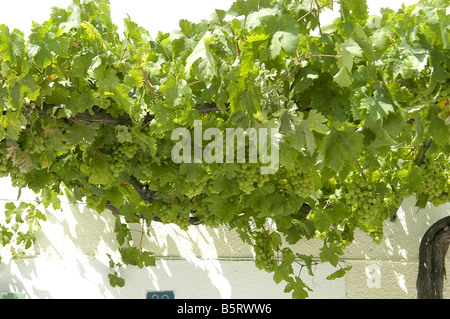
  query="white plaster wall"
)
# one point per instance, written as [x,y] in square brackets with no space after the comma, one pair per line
[395,259]
[81,277]
[69,260]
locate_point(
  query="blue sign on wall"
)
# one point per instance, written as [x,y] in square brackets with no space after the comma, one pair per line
[160,295]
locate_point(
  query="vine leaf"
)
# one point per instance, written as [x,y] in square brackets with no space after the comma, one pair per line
[10,125]
[124,135]
[303,135]
[207,67]
[339,274]
[11,210]
[298,288]
[342,146]
[345,62]
[330,253]
[116,281]
[377,106]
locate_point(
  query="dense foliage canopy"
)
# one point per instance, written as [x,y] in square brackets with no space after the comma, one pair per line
[361,108]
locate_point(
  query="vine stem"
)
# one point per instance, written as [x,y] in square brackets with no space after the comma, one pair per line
[319,7]
[361,171]
[236,39]
[147,82]
[315,264]
[318,16]
[124,50]
[402,80]
[300,59]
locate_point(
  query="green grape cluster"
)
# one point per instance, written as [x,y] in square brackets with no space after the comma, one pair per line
[203,213]
[301,183]
[210,187]
[66,147]
[3,170]
[392,202]
[94,201]
[444,198]
[121,154]
[377,235]
[436,183]
[249,178]
[144,164]
[195,187]
[364,202]
[175,212]
[321,235]
[17,178]
[129,149]
[343,243]
[264,253]
[119,161]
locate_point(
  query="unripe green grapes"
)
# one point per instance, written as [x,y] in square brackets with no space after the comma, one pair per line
[300,183]
[65,148]
[203,213]
[436,182]
[321,235]
[3,170]
[444,197]
[343,244]
[246,178]
[362,199]
[195,187]
[17,178]
[264,252]
[119,159]
[129,150]
[94,201]
[377,235]
[210,187]
[145,165]
[249,178]
[175,212]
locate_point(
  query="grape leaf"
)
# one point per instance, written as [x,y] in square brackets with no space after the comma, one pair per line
[202,51]
[11,210]
[339,273]
[303,131]
[378,106]
[345,63]
[342,146]
[330,253]
[123,134]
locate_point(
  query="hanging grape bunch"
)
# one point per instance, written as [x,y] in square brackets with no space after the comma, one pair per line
[249,178]
[121,154]
[436,182]
[17,178]
[195,187]
[203,213]
[264,252]
[94,201]
[176,211]
[4,171]
[299,182]
[361,198]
